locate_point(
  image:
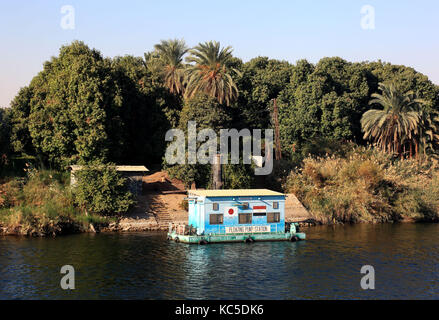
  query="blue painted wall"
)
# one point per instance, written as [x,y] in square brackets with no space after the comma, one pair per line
[200,209]
[193,216]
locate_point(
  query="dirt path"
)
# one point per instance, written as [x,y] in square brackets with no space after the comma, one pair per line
[159,205]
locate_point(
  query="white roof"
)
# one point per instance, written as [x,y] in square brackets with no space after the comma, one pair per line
[118,168]
[234,193]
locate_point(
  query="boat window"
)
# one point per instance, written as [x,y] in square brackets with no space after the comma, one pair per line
[273,217]
[216,219]
[245,218]
[275,205]
[215,207]
[245,206]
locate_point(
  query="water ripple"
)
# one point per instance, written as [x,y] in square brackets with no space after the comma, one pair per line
[146,266]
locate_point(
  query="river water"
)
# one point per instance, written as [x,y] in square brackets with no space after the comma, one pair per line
[405,258]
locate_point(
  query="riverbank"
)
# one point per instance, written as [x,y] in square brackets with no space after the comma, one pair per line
[153,212]
[42,204]
[364,186]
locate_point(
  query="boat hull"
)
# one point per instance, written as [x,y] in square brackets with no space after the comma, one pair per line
[244,237]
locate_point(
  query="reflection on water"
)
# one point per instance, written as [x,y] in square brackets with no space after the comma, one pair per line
[146,266]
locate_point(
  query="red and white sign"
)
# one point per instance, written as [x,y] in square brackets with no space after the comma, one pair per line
[260,209]
[230,211]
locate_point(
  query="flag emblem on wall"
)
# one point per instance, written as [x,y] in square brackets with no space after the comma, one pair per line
[259,208]
[230,211]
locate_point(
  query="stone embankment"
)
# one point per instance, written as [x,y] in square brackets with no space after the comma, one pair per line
[296,212]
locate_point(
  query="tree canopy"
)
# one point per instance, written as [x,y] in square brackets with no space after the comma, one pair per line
[5,131]
[83,107]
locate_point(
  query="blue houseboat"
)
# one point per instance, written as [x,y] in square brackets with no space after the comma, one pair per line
[235,216]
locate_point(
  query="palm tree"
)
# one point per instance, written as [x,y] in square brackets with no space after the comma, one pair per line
[397,123]
[170,53]
[211,72]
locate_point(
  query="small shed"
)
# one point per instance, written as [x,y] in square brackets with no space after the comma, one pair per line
[215,212]
[134,174]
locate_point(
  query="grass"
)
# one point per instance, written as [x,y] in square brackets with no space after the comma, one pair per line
[41,205]
[367,185]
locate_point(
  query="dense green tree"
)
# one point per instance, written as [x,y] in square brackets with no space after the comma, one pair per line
[207,112]
[21,140]
[262,80]
[210,72]
[5,132]
[73,110]
[148,110]
[408,79]
[327,100]
[154,66]
[83,107]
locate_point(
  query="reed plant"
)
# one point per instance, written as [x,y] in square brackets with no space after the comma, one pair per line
[367,185]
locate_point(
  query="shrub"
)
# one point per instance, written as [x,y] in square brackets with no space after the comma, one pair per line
[9,192]
[101,189]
